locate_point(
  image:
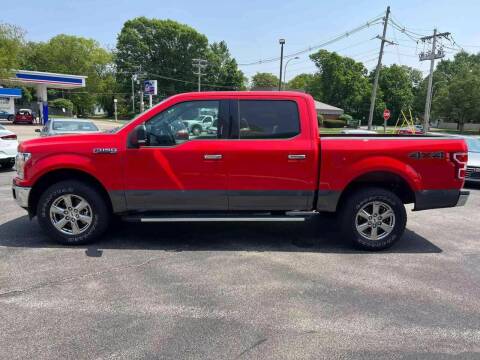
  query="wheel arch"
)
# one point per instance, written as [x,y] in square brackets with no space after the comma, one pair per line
[57,175]
[387,180]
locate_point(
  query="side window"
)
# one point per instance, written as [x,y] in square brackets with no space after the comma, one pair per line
[183,122]
[268,119]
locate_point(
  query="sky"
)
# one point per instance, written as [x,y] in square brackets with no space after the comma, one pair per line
[252,29]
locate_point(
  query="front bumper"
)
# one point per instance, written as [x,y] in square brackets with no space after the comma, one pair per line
[21,194]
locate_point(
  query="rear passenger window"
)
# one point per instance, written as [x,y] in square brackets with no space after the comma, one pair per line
[268,119]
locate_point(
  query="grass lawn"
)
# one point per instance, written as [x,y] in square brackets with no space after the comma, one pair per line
[455,132]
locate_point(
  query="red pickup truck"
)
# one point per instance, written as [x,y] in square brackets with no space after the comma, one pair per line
[263,161]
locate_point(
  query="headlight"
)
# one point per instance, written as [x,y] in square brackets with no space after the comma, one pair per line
[20,162]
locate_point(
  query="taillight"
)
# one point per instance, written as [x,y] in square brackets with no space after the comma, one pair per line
[460,160]
[9,137]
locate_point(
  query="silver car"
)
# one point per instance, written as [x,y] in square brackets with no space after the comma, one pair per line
[68,126]
[473,165]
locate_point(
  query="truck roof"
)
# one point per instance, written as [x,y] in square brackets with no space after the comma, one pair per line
[282,94]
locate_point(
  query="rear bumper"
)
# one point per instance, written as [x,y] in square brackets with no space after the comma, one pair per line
[21,194]
[436,199]
[463,197]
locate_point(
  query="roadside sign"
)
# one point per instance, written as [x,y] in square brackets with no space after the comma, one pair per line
[150,87]
[386,114]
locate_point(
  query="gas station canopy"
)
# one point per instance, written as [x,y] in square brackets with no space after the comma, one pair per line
[46,80]
[49,80]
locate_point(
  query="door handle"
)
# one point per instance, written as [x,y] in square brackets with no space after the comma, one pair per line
[212,156]
[297,157]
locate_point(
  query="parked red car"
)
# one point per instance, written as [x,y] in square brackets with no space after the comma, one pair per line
[410,131]
[24,116]
[265,162]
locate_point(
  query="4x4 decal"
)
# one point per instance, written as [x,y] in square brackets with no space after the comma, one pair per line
[418,155]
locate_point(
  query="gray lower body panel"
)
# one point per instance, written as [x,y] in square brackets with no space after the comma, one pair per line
[211,200]
[435,199]
[270,200]
[328,200]
[156,200]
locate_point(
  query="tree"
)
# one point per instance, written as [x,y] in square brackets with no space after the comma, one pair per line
[461,101]
[340,81]
[71,55]
[11,42]
[222,69]
[264,81]
[300,82]
[454,91]
[61,103]
[398,85]
[160,50]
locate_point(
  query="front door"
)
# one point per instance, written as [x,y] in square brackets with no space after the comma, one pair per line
[271,164]
[177,170]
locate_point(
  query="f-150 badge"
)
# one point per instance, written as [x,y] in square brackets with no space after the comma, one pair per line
[105,150]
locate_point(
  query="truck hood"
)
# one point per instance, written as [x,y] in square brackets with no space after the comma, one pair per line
[473,159]
[78,143]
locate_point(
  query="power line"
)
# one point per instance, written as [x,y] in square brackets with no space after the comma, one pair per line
[311,48]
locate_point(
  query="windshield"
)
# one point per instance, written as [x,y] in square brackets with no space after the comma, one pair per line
[72,125]
[473,145]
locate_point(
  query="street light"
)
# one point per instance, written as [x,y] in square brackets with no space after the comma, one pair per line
[115,106]
[281,42]
[285,70]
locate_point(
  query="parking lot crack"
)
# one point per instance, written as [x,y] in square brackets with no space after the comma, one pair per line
[15,292]
[250,348]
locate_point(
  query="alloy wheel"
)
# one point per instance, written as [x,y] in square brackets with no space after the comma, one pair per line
[71,214]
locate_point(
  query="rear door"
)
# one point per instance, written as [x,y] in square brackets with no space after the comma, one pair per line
[271,157]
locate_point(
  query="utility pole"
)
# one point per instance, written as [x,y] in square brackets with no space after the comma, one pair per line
[134,78]
[379,65]
[281,42]
[431,55]
[200,64]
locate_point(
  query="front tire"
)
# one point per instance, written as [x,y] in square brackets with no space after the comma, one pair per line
[196,130]
[73,213]
[8,164]
[373,218]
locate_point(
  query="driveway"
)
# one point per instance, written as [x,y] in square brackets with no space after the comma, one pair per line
[226,291]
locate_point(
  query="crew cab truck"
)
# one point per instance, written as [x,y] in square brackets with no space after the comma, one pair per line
[265,162]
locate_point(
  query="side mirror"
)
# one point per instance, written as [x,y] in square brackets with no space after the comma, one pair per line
[138,137]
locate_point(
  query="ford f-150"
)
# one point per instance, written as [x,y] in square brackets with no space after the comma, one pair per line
[266,161]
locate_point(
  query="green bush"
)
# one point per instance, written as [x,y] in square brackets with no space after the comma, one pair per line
[320,119]
[345,117]
[328,123]
[61,103]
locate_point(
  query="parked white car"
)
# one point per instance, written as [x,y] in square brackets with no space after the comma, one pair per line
[8,148]
[68,127]
[357,131]
[473,165]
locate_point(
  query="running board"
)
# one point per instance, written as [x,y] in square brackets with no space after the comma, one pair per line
[215,219]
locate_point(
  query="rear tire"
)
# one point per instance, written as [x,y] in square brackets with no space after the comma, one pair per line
[73,213]
[373,218]
[11,118]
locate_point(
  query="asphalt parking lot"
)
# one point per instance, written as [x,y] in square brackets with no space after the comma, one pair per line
[248,291]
